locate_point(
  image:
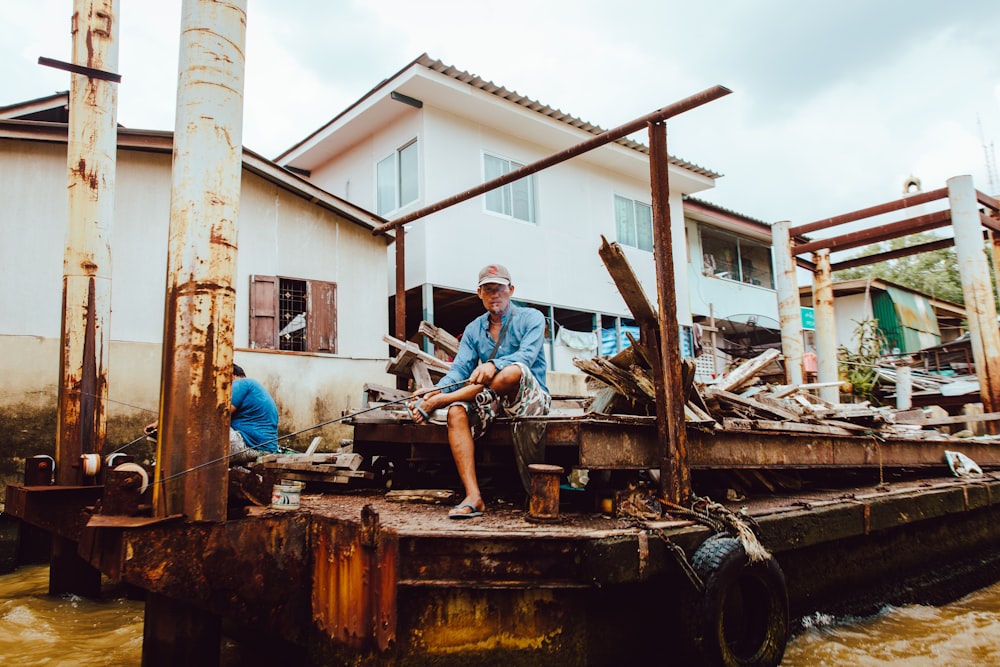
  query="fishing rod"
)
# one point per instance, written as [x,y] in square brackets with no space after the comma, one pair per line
[319,425]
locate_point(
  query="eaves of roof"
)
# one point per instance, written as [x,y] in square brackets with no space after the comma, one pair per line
[155,141]
[53,101]
[707,208]
[501,92]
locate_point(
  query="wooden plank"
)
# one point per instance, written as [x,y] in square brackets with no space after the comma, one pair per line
[375,393]
[756,406]
[420,495]
[743,373]
[733,424]
[319,468]
[942,421]
[346,461]
[628,285]
[421,375]
[441,339]
[406,346]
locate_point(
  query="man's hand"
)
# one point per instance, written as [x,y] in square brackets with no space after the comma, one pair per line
[150,428]
[483,374]
[423,404]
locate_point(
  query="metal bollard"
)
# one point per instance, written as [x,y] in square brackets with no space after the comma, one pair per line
[543,504]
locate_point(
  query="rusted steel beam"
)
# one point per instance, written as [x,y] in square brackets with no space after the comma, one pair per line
[355,569]
[86,319]
[892,254]
[920,223]
[989,221]
[989,202]
[679,107]
[897,205]
[675,476]
[980,306]
[59,510]
[196,379]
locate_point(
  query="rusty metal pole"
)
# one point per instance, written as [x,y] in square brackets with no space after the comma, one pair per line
[91,158]
[675,475]
[196,381]
[789,305]
[826,325]
[91,153]
[980,308]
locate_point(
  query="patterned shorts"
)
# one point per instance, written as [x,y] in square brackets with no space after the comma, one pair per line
[531,400]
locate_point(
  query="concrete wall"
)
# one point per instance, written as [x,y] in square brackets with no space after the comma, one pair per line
[279,233]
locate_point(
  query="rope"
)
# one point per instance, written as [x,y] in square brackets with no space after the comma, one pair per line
[723,520]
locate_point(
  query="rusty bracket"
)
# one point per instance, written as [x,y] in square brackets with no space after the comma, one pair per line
[80,69]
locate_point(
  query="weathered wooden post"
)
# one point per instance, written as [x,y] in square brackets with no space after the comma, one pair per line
[789,305]
[91,153]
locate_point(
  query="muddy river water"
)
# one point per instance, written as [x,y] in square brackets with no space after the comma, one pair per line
[68,631]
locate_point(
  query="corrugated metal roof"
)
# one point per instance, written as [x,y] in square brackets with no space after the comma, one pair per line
[556,114]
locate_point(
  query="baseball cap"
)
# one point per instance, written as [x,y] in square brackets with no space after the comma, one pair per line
[494,273]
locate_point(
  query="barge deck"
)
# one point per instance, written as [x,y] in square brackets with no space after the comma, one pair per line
[353,576]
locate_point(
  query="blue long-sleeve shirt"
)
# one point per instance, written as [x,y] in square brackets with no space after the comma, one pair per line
[254,414]
[523,342]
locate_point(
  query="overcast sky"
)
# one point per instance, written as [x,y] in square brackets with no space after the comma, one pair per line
[834,105]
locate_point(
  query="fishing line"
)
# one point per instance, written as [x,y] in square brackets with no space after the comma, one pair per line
[315,426]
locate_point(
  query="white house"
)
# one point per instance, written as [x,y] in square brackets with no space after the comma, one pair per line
[301,250]
[431,131]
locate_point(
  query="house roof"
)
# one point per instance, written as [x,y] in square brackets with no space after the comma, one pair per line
[943,308]
[155,141]
[52,108]
[474,81]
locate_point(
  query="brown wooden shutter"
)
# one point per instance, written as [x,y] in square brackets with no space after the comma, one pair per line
[321,320]
[264,312]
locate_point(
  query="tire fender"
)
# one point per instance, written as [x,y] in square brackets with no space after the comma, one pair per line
[741,617]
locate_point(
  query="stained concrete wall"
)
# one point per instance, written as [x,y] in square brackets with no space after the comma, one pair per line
[279,233]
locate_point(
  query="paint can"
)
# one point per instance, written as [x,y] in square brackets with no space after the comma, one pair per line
[286,495]
[543,504]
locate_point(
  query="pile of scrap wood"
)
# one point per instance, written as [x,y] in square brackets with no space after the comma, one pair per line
[412,363]
[338,467]
[738,401]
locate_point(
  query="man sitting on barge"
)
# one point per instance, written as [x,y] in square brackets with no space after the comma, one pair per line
[502,357]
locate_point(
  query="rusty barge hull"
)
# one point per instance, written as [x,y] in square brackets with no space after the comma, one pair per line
[357,578]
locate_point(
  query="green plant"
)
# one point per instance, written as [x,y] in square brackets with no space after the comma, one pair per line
[857,366]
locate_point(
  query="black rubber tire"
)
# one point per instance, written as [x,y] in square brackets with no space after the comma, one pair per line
[741,619]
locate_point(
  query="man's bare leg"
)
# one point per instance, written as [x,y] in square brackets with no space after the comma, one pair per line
[464,453]
[507,382]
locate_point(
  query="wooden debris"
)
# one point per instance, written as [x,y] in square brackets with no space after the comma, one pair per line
[433,496]
[441,339]
[743,374]
[412,362]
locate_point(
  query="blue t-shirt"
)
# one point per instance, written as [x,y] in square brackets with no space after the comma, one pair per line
[523,342]
[254,414]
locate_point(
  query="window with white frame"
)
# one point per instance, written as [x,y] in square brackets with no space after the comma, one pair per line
[396,179]
[516,199]
[634,223]
[735,258]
